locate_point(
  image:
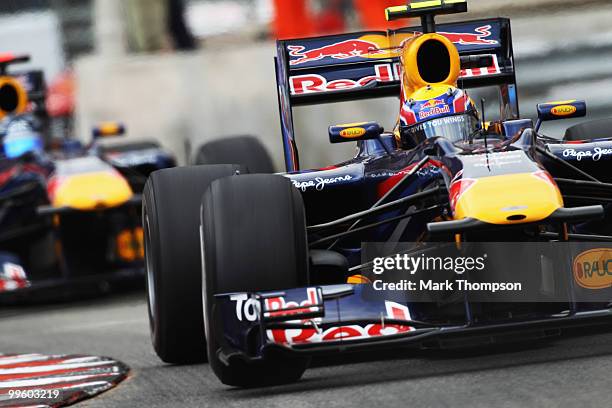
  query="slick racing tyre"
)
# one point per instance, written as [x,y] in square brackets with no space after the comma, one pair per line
[244,150]
[253,239]
[595,129]
[171,219]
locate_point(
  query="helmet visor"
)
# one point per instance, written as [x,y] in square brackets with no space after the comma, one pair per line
[455,128]
[19,146]
[19,138]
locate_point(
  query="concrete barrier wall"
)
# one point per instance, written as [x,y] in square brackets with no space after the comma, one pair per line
[187,99]
[183,99]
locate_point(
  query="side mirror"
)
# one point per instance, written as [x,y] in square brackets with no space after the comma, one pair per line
[430,151]
[353,132]
[108,129]
[560,110]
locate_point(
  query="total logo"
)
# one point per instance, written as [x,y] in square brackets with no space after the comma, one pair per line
[248,308]
[345,333]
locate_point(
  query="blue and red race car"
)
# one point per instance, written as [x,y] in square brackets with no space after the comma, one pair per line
[69,213]
[256,273]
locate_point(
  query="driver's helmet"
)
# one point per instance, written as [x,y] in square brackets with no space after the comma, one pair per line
[18,136]
[438,110]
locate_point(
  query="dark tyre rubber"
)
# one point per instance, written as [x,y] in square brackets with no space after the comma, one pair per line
[171,219]
[244,150]
[253,239]
[595,129]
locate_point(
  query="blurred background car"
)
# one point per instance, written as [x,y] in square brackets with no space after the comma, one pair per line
[69,210]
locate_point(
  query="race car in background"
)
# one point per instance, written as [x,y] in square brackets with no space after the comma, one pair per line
[257,273]
[69,213]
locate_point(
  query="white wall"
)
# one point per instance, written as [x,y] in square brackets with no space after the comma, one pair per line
[209,94]
[36,34]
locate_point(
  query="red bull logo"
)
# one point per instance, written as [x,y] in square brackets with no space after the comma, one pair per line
[384,73]
[479,37]
[433,107]
[305,335]
[342,50]
[432,103]
[314,83]
[361,48]
[434,111]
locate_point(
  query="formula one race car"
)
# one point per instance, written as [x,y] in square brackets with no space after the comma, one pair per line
[257,273]
[68,212]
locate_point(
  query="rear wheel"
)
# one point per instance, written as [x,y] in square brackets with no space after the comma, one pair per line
[595,129]
[171,218]
[253,239]
[247,151]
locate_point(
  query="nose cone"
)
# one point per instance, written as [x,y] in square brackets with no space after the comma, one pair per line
[506,199]
[90,191]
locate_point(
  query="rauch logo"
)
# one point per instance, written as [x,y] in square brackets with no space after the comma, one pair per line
[593,269]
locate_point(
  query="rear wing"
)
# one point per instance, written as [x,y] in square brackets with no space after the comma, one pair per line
[34,83]
[366,65]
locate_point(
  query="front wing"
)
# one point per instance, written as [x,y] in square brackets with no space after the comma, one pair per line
[91,255]
[71,286]
[338,318]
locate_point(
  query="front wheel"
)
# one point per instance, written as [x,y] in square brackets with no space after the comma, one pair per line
[253,240]
[171,219]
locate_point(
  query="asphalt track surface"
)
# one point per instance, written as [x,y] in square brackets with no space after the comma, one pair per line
[565,372]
